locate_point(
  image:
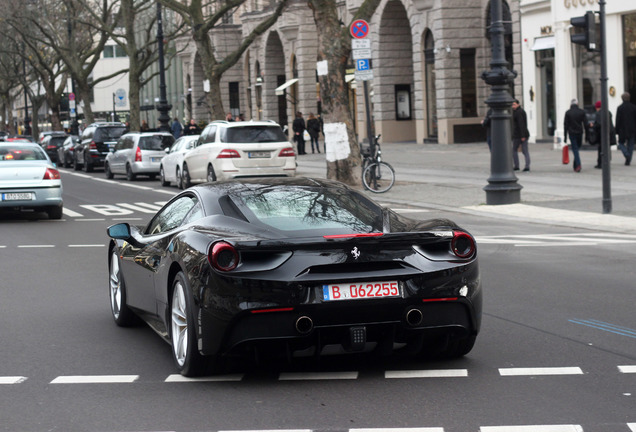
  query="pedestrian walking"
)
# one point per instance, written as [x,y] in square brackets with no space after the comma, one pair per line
[574,124]
[192,128]
[176,128]
[626,127]
[596,134]
[298,126]
[486,123]
[313,127]
[520,135]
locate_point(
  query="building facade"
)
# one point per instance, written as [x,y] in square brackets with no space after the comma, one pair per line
[427,57]
[555,71]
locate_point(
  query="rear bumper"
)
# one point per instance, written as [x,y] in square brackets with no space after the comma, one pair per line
[44,197]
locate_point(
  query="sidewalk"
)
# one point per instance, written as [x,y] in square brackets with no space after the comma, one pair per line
[452,177]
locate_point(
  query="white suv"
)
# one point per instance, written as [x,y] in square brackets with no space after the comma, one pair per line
[227,150]
[138,153]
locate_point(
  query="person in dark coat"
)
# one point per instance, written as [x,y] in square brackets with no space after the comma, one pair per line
[298,126]
[176,128]
[520,135]
[626,127]
[574,125]
[192,128]
[313,127]
[596,127]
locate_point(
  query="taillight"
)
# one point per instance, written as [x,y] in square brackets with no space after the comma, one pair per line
[50,147]
[92,146]
[228,154]
[138,155]
[51,174]
[287,152]
[463,244]
[223,257]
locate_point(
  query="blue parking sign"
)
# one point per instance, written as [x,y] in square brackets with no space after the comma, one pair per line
[363,64]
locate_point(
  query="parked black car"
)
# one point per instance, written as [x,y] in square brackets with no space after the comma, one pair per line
[51,143]
[95,143]
[65,151]
[296,266]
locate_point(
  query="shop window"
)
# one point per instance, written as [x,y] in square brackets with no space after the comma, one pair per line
[235,101]
[468,82]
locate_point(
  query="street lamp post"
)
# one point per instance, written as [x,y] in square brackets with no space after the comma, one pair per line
[162,106]
[71,100]
[27,120]
[502,187]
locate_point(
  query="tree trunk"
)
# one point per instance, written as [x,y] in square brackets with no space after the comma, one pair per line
[133,100]
[84,96]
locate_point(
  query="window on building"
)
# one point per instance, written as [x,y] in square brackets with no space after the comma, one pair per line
[235,100]
[468,82]
[403,102]
[114,51]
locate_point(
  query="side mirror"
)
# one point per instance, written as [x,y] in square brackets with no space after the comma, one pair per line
[123,231]
[167,150]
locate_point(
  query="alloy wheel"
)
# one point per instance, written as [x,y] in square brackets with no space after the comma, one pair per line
[115,286]
[179,324]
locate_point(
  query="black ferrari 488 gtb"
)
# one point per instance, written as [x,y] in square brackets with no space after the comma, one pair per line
[302,267]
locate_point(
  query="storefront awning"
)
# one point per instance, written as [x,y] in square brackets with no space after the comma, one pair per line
[543,43]
[280,90]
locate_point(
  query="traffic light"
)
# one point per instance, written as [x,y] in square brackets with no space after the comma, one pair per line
[587,38]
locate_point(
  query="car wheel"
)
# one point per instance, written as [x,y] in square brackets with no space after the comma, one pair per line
[162,176]
[185,178]
[178,177]
[130,175]
[123,316]
[66,162]
[108,172]
[87,167]
[211,175]
[76,165]
[185,350]
[54,212]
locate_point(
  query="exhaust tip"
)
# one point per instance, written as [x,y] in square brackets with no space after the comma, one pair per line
[414,317]
[304,325]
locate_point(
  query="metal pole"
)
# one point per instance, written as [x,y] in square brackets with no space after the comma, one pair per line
[605,160]
[162,106]
[502,187]
[369,125]
[114,109]
[72,111]
[27,120]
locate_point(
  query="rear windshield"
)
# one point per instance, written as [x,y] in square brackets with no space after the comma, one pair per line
[21,153]
[253,134]
[300,209]
[57,140]
[156,142]
[111,133]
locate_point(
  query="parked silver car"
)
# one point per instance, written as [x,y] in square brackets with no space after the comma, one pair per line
[172,164]
[29,180]
[138,153]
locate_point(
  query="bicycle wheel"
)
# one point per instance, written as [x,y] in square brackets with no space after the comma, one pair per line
[378,177]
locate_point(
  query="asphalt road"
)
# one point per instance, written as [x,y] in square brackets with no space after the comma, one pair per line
[557,350]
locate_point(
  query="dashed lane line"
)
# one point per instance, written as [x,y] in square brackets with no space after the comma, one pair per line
[95,379]
[532,428]
[218,378]
[317,376]
[540,371]
[12,379]
[442,373]
[627,370]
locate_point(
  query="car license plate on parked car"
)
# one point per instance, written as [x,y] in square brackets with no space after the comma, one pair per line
[17,196]
[360,290]
[258,154]
[156,159]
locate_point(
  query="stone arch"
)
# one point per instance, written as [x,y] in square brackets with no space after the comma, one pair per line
[274,106]
[393,75]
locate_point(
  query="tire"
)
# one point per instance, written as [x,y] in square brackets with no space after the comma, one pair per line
[183,336]
[67,164]
[211,177]
[122,314]
[185,178]
[107,171]
[178,177]
[76,165]
[87,167]
[162,177]
[378,177]
[130,176]
[54,212]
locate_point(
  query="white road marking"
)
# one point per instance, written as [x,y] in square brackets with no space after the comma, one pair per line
[2,246]
[316,376]
[269,430]
[35,246]
[220,378]
[71,213]
[632,426]
[107,209]
[150,206]
[540,371]
[134,186]
[441,373]
[627,369]
[95,379]
[86,245]
[91,220]
[416,429]
[127,219]
[533,428]
[137,208]
[12,379]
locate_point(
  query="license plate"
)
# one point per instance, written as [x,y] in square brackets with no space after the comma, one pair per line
[17,196]
[156,159]
[360,290]
[258,154]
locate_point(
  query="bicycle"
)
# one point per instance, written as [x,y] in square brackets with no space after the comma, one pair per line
[377,176]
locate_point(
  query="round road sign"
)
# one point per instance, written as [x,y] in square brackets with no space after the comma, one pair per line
[359,29]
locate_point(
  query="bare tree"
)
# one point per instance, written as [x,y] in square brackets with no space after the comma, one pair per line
[195,12]
[334,46]
[9,73]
